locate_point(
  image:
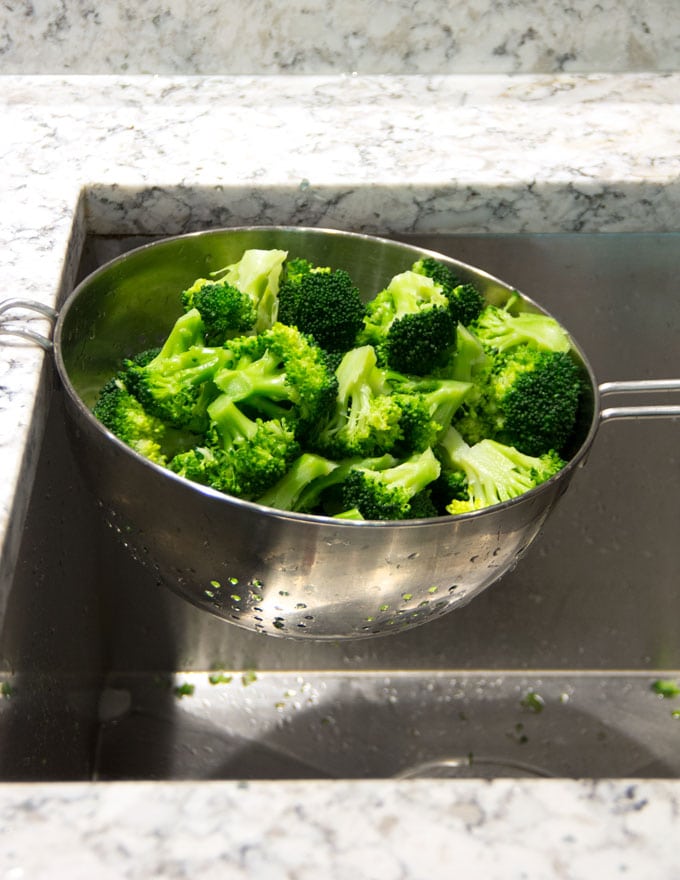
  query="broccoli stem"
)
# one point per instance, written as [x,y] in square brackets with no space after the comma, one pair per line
[286,493]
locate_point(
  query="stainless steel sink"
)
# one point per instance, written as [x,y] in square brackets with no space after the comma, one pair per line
[108,675]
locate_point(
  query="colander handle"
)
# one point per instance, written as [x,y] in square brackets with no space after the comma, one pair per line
[13,327]
[650,411]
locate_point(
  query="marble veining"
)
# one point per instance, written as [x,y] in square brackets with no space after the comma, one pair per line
[331,37]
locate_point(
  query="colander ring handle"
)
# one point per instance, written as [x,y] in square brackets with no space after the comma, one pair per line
[13,327]
[645,386]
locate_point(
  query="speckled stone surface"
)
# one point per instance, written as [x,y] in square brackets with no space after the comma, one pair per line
[168,154]
[338,36]
[342,830]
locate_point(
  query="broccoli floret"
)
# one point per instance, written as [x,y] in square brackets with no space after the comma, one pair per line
[441,273]
[528,399]
[175,385]
[389,494]
[323,303]
[258,275]
[225,310]
[428,404]
[280,373]
[298,482]
[500,329]
[125,417]
[410,325]
[241,456]
[419,342]
[465,301]
[494,472]
[365,418]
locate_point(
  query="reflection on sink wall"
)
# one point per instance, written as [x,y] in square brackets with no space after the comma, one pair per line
[596,592]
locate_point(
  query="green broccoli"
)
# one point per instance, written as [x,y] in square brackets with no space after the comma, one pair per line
[323,303]
[240,456]
[175,385]
[287,493]
[529,398]
[465,301]
[225,310]
[493,472]
[365,418]
[410,325]
[499,329]
[428,405]
[280,373]
[257,273]
[417,404]
[470,359]
[392,493]
[125,417]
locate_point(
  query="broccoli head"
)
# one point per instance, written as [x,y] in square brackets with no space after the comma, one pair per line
[125,417]
[489,472]
[280,373]
[428,405]
[323,303]
[393,493]
[175,384]
[529,399]
[240,456]
[410,325]
[465,301]
[499,329]
[225,310]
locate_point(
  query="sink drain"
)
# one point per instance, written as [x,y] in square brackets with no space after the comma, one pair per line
[472,767]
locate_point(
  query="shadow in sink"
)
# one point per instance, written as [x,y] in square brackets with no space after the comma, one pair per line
[92,648]
[377,725]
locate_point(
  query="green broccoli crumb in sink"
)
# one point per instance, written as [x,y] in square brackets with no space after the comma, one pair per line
[184,690]
[6,690]
[533,701]
[219,678]
[248,677]
[666,688]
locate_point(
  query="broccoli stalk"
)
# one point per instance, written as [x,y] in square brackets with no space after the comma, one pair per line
[493,472]
[257,274]
[175,384]
[365,419]
[298,481]
[391,493]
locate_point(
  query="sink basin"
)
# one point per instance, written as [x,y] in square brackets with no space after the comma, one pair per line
[107,675]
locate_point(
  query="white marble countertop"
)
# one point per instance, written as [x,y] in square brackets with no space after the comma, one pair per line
[341,830]
[108,154]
